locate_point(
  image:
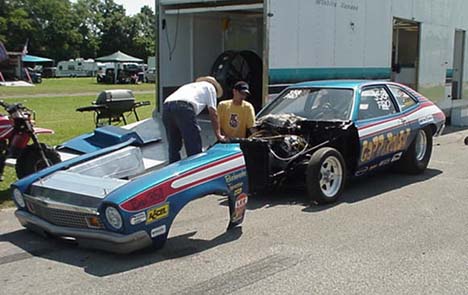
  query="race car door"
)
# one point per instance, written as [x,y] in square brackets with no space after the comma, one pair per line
[382,129]
[407,103]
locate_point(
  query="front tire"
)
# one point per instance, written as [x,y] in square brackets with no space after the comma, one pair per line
[417,157]
[30,160]
[325,175]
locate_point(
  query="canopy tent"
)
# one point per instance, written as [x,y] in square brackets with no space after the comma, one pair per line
[35,59]
[118,57]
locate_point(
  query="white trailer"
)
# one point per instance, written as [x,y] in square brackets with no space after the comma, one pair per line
[78,68]
[415,42]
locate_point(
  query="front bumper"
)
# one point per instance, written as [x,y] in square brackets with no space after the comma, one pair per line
[96,239]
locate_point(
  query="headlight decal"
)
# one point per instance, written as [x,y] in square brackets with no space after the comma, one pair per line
[113,217]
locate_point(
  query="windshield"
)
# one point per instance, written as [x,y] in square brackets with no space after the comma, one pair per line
[313,103]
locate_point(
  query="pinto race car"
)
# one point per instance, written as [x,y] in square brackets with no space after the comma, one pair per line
[116,193]
[324,132]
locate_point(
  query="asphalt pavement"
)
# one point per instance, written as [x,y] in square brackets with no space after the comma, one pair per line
[390,234]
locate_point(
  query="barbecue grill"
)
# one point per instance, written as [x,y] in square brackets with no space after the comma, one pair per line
[111,106]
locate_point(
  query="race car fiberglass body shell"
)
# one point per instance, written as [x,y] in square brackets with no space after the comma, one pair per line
[113,198]
[325,132]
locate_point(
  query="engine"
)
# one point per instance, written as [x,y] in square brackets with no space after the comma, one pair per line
[281,144]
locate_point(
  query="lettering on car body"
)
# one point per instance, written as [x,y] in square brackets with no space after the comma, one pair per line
[426,119]
[138,218]
[157,231]
[157,213]
[384,144]
[235,176]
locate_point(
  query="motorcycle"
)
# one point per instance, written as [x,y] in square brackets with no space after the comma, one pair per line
[16,131]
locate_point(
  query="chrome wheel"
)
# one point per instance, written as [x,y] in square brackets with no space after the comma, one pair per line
[421,145]
[331,176]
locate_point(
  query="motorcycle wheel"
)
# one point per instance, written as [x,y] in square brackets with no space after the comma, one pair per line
[30,160]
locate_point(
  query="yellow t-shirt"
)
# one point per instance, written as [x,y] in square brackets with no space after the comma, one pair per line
[235,119]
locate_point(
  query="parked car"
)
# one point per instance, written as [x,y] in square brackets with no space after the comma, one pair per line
[325,132]
[127,73]
[115,192]
[151,75]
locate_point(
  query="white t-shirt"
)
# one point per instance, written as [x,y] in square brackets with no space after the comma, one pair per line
[199,94]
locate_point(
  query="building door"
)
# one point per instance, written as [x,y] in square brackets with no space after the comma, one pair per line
[458,61]
[405,52]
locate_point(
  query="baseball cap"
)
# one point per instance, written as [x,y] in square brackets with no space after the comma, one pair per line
[243,87]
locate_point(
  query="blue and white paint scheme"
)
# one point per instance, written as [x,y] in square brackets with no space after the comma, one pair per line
[123,197]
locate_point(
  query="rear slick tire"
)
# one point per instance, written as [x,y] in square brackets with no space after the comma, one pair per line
[417,157]
[30,160]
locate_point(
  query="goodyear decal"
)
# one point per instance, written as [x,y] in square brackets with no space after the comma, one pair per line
[157,213]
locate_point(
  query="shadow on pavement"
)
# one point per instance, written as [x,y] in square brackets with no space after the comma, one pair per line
[355,190]
[374,185]
[102,264]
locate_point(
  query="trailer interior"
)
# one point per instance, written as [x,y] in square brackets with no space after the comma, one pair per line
[224,39]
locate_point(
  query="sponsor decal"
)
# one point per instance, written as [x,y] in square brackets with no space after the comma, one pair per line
[157,213]
[384,162]
[384,144]
[235,176]
[373,167]
[238,191]
[397,156]
[426,119]
[235,186]
[157,231]
[240,206]
[138,218]
[362,171]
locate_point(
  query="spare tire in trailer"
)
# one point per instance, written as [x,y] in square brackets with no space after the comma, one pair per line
[233,66]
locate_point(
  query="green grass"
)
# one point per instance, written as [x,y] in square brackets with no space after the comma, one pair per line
[57,86]
[58,113]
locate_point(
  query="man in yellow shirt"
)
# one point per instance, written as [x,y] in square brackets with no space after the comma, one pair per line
[236,116]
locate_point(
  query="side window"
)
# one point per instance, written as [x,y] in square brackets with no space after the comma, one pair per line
[403,98]
[375,102]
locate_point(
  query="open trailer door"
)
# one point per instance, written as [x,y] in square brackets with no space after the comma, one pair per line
[225,39]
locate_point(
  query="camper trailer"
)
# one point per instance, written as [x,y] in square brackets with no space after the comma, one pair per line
[77,68]
[274,43]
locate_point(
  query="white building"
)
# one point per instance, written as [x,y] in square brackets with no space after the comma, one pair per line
[416,42]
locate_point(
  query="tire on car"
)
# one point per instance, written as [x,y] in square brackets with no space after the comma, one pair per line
[325,175]
[416,158]
[31,161]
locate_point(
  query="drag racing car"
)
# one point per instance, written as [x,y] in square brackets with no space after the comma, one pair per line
[116,192]
[325,132]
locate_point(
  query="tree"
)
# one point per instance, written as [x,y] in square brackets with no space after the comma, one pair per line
[54,32]
[88,21]
[85,28]
[15,25]
[144,41]
[114,35]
